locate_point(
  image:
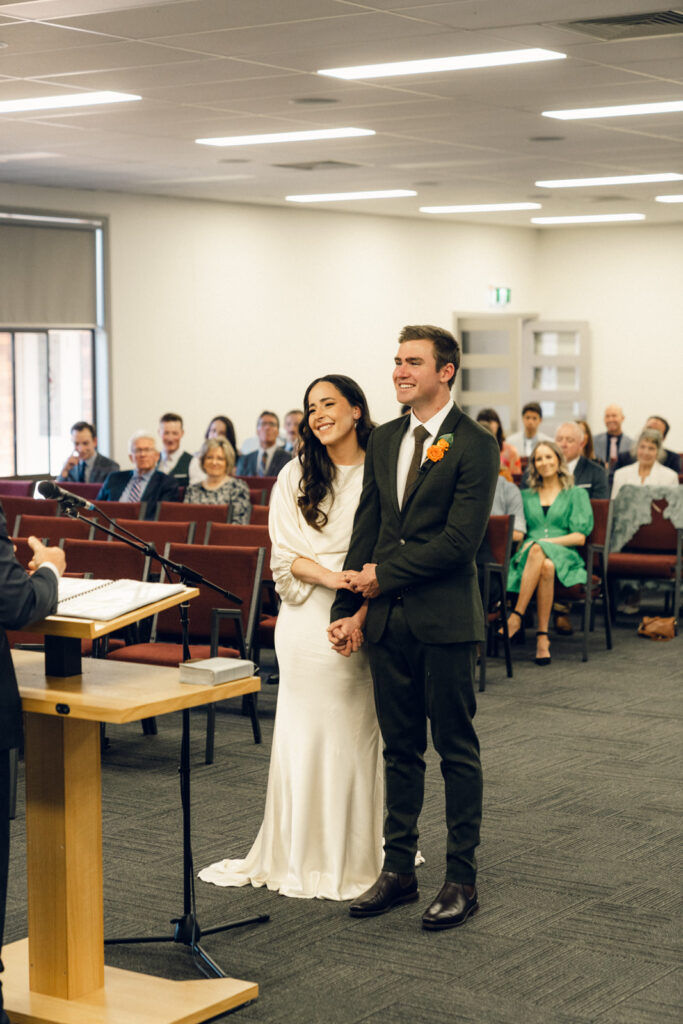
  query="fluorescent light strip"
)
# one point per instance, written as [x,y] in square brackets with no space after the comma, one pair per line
[72,99]
[435,64]
[336,197]
[627,110]
[593,218]
[480,208]
[307,136]
[669,199]
[622,179]
[37,218]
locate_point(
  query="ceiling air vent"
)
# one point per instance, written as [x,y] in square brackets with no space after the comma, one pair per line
[318,165]
[631,26]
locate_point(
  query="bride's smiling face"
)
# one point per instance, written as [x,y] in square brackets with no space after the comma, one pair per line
[331,417]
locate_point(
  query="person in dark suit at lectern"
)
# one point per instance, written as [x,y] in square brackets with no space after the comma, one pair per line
[24,598]
[428,485]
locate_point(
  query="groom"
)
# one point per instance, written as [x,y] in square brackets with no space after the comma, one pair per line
[427,493]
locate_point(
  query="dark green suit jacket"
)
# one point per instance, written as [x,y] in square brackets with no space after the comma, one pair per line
[426,552]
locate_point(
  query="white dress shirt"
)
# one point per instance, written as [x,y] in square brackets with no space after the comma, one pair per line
[405,452]
[166,463]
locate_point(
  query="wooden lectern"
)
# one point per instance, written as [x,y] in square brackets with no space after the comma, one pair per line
[57,975]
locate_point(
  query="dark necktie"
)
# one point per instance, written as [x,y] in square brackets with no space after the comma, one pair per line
[264,463]
[81,472]
[420,434]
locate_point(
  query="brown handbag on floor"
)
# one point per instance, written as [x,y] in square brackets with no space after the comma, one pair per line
[657,628]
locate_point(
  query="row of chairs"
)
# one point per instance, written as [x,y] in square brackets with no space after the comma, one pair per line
[653,553]
[167,512]
[260,488]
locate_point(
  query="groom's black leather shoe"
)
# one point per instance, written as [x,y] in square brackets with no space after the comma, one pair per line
[451,908]
[390,890]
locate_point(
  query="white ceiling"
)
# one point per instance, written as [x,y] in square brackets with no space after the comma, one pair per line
[223,67]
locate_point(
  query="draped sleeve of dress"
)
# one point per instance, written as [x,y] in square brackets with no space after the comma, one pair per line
[321,834]
[570,512]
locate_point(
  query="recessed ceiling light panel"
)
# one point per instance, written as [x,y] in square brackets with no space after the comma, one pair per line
[669,199]
[627,110]
[271,137]
[336,197]
[480,208]
[433,65]
[622,179]
[65,100]
[593,218]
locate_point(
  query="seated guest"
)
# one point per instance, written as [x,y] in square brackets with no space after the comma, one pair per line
[509,457]
[647,470]
[145,482]
[610,444]
[173,461]
[292,420]
[220,426]
[85,464]
[526,440]
[559,518]
[588,447]
[219,486]
[269,459]
[589,475]
[670,459]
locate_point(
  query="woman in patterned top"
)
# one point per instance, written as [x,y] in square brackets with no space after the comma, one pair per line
[219,487]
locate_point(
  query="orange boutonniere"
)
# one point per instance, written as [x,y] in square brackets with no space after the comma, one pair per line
[436,452]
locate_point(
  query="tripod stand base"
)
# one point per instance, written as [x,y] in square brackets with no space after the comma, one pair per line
[125,997]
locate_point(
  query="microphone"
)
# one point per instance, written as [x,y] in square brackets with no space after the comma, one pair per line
[48,489]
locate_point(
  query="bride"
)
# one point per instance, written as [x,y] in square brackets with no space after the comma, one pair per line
[321,834]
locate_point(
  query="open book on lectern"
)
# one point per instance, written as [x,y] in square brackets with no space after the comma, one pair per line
[108,599]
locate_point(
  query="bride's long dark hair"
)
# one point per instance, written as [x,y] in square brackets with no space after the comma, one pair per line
[318,470]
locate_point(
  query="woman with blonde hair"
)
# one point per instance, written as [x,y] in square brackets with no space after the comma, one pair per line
[219,487]
[559,518]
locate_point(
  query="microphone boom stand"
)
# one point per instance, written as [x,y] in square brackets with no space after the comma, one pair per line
[186,927]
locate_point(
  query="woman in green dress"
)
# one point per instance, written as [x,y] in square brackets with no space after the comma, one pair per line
[559,518]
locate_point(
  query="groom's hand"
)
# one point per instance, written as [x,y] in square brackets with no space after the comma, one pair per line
[365,581]
[345,636]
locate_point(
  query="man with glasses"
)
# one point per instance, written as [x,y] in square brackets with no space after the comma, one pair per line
[145,482]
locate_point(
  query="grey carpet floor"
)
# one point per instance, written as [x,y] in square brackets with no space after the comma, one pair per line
[579,862]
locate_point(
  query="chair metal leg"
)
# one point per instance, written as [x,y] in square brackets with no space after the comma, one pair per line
[210,733]
[149,727]
[253,713]
[13,765]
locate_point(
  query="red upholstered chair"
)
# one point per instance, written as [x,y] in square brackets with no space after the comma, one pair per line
[239,534]
[87,491]
[259,515]
[258,496]
[499,536]
[119,509]
[106,560]
[216,626]
[14,507]
[159,534]
[194,512]
[52,529]
[595,589]
[260,483]
[17,488]
[653,553]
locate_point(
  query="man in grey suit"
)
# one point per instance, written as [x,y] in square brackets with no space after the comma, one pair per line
[613,442]
[85,464]
[268,459]
[427,490]
[23,599]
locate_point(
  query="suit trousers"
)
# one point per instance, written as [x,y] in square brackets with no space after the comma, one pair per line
[4,848]
[414,681]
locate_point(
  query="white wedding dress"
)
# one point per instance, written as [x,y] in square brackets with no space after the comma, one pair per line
[321,834]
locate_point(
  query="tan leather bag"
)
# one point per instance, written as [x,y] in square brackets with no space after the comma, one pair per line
[657,628]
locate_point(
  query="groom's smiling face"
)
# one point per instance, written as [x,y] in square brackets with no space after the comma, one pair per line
[416,378]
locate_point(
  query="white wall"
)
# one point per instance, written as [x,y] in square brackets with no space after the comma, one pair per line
[219,308]
[627,282]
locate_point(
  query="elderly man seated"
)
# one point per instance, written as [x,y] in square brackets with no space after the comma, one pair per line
[144,483]
[670,459]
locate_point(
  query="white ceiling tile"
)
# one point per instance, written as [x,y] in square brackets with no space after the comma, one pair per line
[104,56]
